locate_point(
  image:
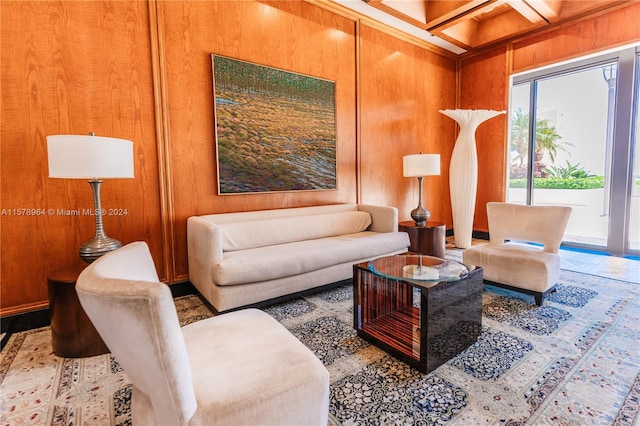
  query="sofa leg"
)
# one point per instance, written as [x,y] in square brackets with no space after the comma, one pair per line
[539,298]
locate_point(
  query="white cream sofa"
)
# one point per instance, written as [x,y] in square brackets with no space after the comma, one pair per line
[240,259]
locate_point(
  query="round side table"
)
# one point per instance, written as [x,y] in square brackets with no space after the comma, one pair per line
[72,333]
[428,239]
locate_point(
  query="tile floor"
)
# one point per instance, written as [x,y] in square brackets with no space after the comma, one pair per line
[601,264]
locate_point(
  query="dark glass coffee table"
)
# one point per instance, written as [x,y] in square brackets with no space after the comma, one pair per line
[424,310]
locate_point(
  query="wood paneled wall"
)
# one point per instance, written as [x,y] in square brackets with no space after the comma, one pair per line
[484,83]
[606,31]
[142,71]
[402,89]
[71,68]
[293,36]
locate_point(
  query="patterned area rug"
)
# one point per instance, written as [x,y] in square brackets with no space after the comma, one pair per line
[573,361]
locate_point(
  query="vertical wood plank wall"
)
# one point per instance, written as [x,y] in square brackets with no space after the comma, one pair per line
[607,31]
[287,35]
[403,87]
[71,68]
[484,84]
[142,71]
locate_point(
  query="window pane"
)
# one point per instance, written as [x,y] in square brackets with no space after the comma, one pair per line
[573,148]
[634,218]
[583,147]
[518,144]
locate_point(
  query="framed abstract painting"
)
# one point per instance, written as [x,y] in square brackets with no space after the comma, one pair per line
[275,129]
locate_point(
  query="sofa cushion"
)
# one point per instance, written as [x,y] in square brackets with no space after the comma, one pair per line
[268,232]
[240,352]
[514,264]
[283,260]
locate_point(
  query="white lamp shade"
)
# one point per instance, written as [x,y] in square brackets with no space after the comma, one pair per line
[418,165]
[89,157]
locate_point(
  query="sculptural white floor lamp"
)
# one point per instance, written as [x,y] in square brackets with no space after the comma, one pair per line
[463,171]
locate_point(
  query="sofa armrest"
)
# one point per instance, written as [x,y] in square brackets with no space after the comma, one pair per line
[204,245]
[383,218]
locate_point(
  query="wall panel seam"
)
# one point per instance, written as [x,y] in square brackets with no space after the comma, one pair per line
[162,140]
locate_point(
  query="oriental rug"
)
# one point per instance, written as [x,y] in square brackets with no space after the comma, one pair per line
[573,361]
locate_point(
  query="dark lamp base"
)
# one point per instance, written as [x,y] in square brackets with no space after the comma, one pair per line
[420,216]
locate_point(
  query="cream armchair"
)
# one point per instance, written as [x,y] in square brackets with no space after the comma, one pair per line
[240,368]
[509,263]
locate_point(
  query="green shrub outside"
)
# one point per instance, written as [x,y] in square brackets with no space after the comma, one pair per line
[591,182]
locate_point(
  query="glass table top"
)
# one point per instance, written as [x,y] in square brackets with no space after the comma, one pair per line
[420,269]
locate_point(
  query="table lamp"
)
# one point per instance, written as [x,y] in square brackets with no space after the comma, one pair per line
[94,158]
[420,165]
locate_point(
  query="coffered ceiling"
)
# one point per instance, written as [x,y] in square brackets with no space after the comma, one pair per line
[463,25]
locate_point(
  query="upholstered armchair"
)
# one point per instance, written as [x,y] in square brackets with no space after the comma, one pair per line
[508,260]
[240,368]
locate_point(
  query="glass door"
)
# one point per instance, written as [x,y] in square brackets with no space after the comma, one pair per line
[571,144]
[634,216]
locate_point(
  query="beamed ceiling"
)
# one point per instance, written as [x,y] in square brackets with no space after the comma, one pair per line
[471,24]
